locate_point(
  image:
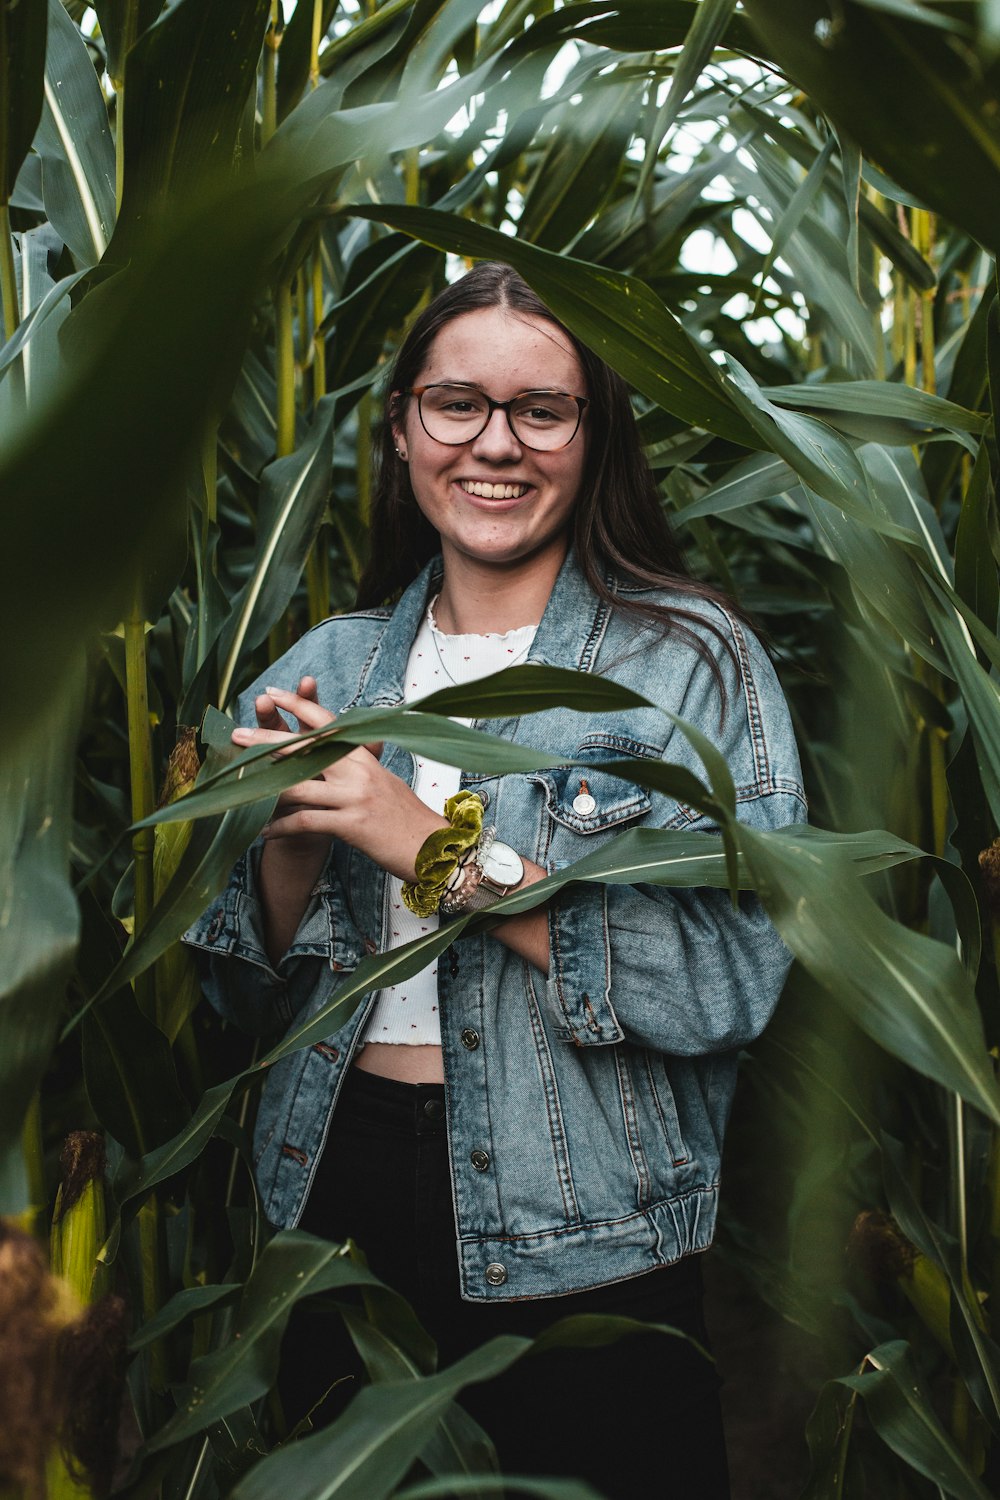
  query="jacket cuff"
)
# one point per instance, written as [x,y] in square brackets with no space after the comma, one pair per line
[579,980]
[234,924]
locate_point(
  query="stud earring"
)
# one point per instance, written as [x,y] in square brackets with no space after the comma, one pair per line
[401,454]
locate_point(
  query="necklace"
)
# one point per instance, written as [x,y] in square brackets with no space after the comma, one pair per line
[440,656]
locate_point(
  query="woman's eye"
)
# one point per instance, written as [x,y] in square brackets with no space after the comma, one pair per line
[539,414]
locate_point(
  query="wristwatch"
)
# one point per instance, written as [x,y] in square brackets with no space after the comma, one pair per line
[493,870]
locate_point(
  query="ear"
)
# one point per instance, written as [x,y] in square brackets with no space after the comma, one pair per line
[398,434]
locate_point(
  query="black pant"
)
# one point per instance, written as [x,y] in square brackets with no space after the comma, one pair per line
[638,1417]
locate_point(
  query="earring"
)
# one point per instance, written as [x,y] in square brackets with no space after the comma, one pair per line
[400,454]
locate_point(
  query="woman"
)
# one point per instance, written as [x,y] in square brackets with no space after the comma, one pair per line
[531,1127]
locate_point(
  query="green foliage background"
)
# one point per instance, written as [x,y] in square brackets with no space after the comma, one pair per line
[778,220]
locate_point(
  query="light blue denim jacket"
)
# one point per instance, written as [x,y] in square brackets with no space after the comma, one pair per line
[599,1094]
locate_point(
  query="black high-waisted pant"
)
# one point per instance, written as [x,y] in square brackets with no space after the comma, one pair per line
[637,1418]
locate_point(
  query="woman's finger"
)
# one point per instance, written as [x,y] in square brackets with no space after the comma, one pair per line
[281,742]
[310,714]
[267,713]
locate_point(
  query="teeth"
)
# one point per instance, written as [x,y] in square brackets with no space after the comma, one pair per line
[495,491]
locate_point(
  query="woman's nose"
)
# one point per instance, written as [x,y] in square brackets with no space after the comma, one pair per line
[497,440]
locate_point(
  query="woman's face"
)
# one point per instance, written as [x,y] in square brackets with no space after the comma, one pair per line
[525,498]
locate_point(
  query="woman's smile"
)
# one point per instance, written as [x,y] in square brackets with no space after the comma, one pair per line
[493,490]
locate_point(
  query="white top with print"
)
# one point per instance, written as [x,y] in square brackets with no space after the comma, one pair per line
[407,1012]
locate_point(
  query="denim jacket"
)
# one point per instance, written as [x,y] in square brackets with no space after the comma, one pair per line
[585,1109]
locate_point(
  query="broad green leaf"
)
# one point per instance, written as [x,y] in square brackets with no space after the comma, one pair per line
[975,568]
[924,111]
[181,1308]
[189,78]
[203,869]
[458,1445]
[709,24]
[22,66]
[800,203]
[577,173]
[293,496]
[74,142]
[541,1489]
[902,1415]
[967,1317]
[39,919]
[49,310]
[293,54]
[908,992]
[130,1075]
[755,478]
[632,25]
[616,316]
[880,398]
[291,1266]
[819,456]
[828,1434]
[39,359]
[384,283]
[187,296]
[371,1446]
[122,23]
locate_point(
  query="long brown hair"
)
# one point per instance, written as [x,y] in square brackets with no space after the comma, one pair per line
[618,520]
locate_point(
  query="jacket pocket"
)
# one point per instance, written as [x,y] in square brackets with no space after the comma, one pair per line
[590,801]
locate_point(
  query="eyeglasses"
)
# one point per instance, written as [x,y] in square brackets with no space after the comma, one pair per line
[456,414]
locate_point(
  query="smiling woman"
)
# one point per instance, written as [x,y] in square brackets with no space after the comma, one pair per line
[531,1127]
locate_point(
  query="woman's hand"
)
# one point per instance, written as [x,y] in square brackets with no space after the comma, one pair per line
[355,799]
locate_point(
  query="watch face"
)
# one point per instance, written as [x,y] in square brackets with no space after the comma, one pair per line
[503,865]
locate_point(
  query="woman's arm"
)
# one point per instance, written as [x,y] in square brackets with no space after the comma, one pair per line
[356,800]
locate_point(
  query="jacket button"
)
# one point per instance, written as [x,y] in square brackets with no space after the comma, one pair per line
[496,1274]
[480,1160]
[470,1038]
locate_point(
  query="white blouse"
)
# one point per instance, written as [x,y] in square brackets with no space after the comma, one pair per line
[407,1013]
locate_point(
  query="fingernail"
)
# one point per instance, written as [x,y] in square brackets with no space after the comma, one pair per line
[273,690]
[242,734]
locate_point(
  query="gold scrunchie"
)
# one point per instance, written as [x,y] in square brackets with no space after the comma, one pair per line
[439,855]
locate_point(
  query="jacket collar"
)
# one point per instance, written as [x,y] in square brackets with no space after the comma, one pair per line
[569,633]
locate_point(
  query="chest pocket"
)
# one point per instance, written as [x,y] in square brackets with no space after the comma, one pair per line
[590,801]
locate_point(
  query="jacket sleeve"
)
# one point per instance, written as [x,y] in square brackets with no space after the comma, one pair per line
[237,976]
[682,970]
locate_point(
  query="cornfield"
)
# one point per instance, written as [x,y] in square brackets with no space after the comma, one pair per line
[779,221]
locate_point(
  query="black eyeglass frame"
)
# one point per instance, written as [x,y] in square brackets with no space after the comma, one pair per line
[582,402]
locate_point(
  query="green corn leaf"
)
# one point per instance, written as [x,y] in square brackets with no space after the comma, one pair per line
[291,1266]
[902,1415]
[709,25]
[22,67]
[369,1449]
[38,916]
[978,1354]
[122,24]
[74,142]
[923,111]
[906,991]
[293,496]
[458,1445]
[189,79]
[189,1303]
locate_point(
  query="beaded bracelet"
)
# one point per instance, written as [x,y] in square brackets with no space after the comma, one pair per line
[441,852]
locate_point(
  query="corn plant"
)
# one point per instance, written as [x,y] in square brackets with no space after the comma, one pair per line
[779,222]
